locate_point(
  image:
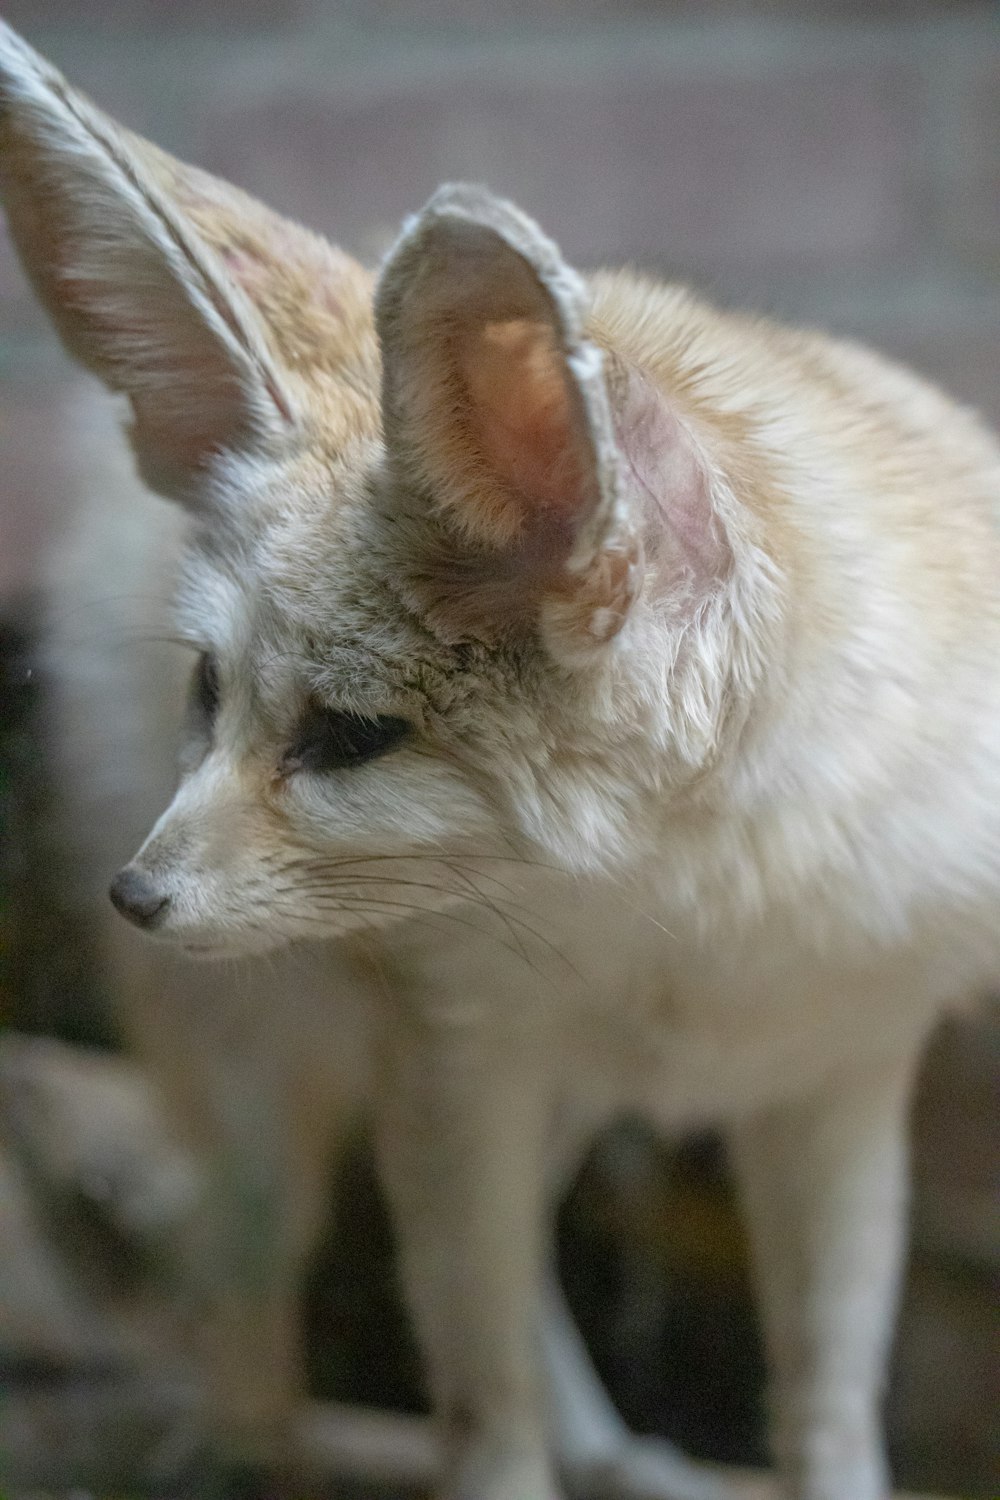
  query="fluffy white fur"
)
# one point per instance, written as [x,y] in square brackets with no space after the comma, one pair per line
[696,624]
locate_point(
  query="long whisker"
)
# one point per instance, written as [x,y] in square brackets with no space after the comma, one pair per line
[512,917]
[511,912]
[433,919]
[419,914]
[511,924]
[348,860]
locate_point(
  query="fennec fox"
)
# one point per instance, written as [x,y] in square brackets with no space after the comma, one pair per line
[673,629]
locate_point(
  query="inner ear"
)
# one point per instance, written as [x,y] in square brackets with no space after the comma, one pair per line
[497,417]
[521,415]
[492,399]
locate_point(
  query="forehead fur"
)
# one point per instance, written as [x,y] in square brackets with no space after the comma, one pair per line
[302,571]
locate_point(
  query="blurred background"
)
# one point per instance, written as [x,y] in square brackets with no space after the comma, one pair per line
[834,163]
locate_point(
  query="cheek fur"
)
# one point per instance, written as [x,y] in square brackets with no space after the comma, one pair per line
[403,802]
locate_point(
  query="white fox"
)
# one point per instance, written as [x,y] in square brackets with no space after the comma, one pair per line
[667,639]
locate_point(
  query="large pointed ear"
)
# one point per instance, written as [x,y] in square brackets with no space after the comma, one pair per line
[137,294]
[494,402]
[546,452]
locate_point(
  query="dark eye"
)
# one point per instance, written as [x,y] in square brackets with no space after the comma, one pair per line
[205,689]
[330,740]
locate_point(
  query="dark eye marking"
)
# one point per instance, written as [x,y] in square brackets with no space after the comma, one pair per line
[329,739]
[204,695]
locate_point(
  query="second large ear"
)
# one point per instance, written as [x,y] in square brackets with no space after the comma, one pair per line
[138,295]
[496,405]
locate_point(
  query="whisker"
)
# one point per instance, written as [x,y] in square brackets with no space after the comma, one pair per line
[318,887]
[339,861]
[384,905]
[512,914]
[509,923]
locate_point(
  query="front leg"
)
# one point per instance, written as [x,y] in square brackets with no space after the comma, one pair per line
[462,1119]
[266,1169]
[823,1181]
[249,1068]
[599,1457]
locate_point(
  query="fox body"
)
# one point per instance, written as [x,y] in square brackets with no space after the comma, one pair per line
[647,652]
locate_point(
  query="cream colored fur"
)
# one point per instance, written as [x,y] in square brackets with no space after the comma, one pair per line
[695,621]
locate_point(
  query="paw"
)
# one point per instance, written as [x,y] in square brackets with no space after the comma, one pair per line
[838,1461]
[484,1476]
[641,1468]
[843,1483]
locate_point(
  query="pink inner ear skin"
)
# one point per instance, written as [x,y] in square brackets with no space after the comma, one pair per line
[521,413]
[685,540]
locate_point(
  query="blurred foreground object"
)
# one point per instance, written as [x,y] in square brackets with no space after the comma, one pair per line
[93,1189]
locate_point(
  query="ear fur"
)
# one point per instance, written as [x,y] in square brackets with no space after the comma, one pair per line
[494,399]
[565,468]
[136,293]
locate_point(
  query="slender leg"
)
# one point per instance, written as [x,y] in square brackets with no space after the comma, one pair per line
[823,1181]
[600,1457]
[243,1062]
[245,1275]
[462,1115]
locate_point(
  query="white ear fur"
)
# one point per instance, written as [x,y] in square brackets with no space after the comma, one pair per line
[135,293]
[494,399]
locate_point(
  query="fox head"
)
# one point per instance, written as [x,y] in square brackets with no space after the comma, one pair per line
[463,580]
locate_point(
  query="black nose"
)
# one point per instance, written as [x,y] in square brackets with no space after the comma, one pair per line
[136,896]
